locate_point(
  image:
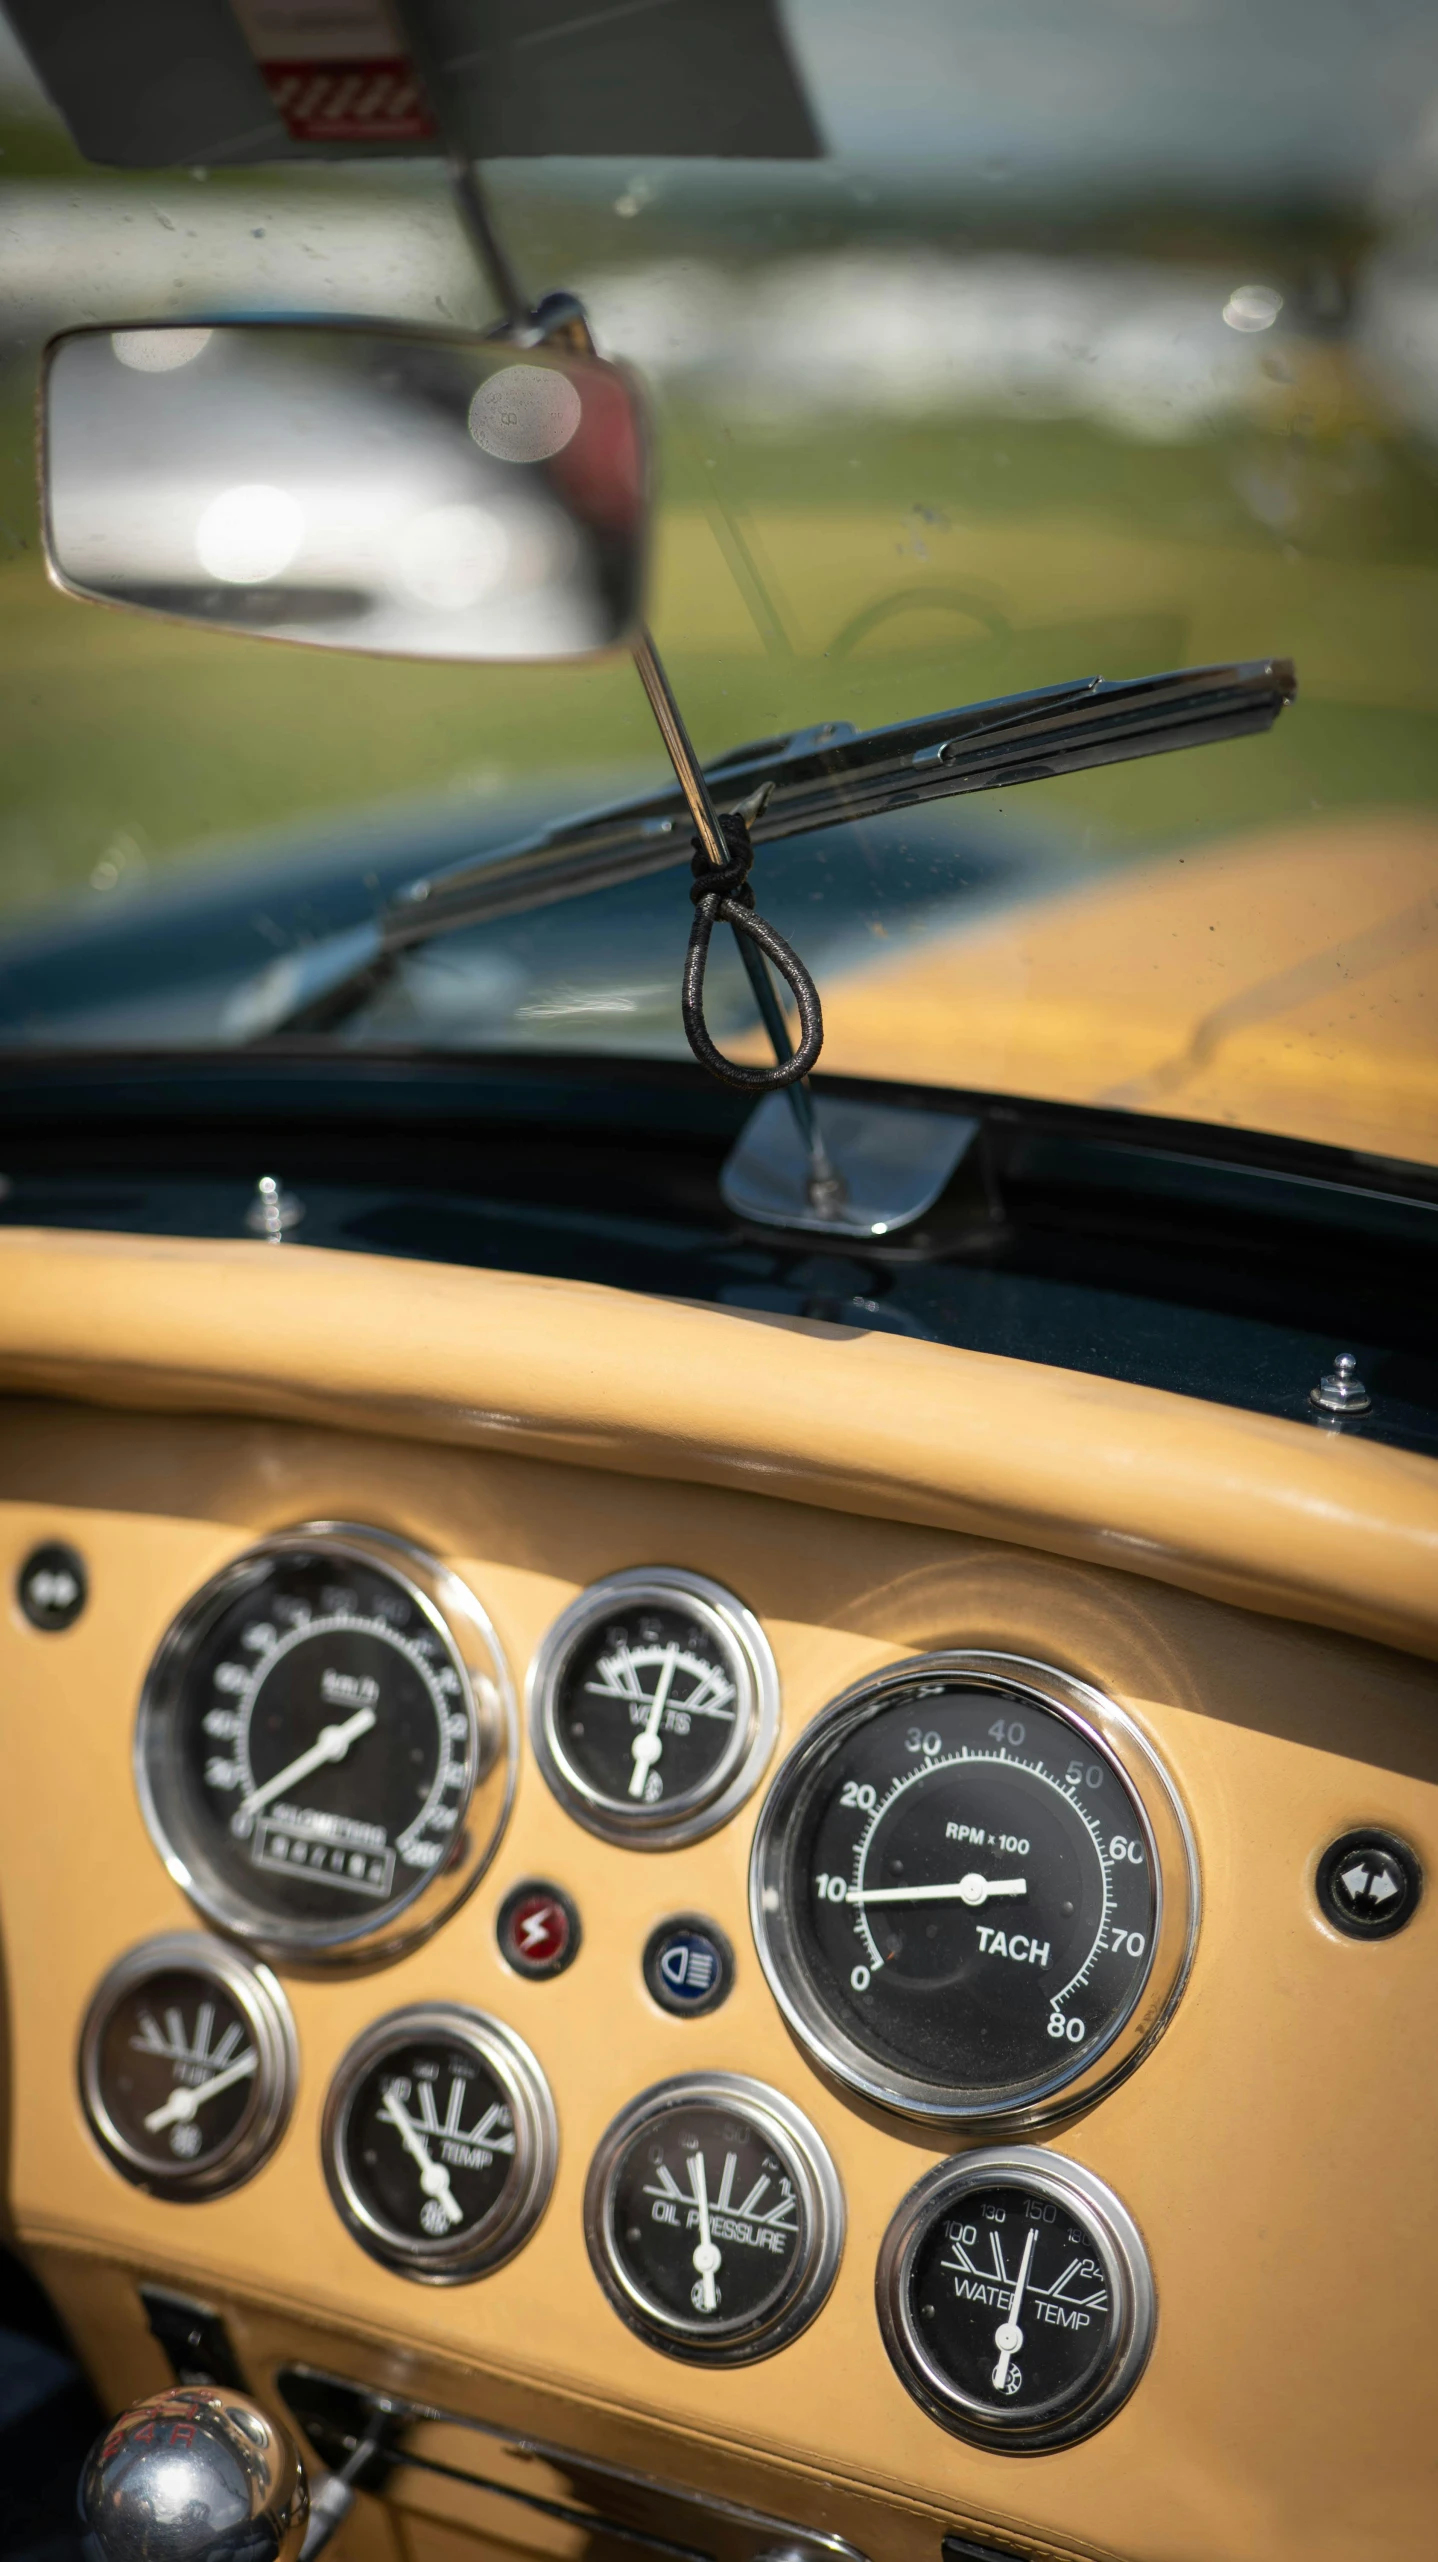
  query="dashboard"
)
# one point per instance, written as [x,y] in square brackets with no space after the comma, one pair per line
[743,2020]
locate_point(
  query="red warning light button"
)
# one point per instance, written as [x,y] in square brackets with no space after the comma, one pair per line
[538,1929]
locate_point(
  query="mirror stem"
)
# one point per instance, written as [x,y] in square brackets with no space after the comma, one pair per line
[561,315]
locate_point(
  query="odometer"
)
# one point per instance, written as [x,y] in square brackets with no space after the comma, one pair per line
[972,1890]
[324,1744]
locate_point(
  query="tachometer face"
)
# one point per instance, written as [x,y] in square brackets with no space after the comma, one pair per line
[312,1738]
[1015,2299]
[653,1707]
[957,1890]
[714,2218]
[187,2063]
[439,2142]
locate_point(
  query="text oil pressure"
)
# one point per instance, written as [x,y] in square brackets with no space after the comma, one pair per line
[973,1891]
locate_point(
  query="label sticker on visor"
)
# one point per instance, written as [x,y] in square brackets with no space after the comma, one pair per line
[336,70]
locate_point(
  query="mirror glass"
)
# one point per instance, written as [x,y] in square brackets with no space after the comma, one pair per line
[363,489]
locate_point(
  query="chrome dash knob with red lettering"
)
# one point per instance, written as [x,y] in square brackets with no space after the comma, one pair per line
[198,2474]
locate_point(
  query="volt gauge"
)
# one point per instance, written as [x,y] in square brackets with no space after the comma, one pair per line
[440,2142]
[325,1751]
[187,2066]
[653,1707]
[714,2218]
[973,1891]
[1015,2299]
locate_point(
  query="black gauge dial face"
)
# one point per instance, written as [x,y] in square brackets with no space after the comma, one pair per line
[177,2066]
[706,2219]
[429,2142]
[972,1892]
[327,1743]
[647,1707]
[1013,2301]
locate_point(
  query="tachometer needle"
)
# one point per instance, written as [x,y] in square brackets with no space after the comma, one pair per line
[972,1889]
[433,2177]
[182,2105]
[332,1743]
[707,2256]
[649,1743]
[1008,2338]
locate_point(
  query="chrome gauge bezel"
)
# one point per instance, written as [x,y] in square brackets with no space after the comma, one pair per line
[481,2247]
[1087,2201]
[816,2182]
[735,1630]
[460,1622]
[1070,2085]
[261,2003]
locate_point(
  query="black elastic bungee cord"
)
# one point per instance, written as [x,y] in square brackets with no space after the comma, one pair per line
[722,895]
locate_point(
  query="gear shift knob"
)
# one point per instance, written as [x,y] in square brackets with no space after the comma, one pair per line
[198,2474]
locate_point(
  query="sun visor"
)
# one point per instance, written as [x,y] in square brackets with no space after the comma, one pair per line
[148,84]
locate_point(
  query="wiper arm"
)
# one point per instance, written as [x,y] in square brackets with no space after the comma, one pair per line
[790,786]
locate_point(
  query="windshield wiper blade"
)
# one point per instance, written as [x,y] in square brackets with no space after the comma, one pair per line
[790,786]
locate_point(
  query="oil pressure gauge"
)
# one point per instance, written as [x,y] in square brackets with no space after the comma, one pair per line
[439,2142]
[187,2066]
[1015,2299]
[714,2218]
[653,1704]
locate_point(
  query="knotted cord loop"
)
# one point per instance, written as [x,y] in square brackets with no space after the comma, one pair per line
[722,895]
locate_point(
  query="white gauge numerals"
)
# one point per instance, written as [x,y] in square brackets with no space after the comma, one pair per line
[662,1688]
[438,2145]
[202,2069]
[766,2218]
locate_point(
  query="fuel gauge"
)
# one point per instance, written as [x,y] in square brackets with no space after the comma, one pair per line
[187,2066]
[714,2218]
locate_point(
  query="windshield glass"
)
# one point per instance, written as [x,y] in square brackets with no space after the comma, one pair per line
[1103,340]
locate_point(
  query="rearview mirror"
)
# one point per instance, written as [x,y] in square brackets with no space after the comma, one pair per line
[356,488]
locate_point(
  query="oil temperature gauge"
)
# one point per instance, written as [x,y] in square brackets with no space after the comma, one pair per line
[439,2142]
[653,1703]
[714,2218]
[1015,2299]
[187,2066]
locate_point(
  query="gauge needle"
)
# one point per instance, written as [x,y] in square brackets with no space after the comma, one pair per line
[332,1744]
[182,2105]
[1008,2338]
[972,1889]
[433,2177]
[649,1743]
[707,2257]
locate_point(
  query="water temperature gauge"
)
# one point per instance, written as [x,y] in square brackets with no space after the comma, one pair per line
[1015,2299]
[714,2218]
[439,2142]
[653,1706]
[187,2066]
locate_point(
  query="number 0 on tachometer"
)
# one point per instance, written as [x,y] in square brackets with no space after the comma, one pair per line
[973,1891]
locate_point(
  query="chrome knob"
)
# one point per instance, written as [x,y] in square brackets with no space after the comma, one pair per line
[198,2474]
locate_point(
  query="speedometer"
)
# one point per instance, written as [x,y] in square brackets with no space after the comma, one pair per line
[325,1747]
[973,1891]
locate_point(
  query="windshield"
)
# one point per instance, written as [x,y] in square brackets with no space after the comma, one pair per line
[1103,340]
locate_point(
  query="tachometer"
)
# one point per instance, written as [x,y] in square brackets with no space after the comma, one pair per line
[325,1746]
[714,2218]
[654,1703]
[973,1890]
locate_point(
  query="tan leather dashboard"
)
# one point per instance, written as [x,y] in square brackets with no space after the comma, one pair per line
[1242,1588]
